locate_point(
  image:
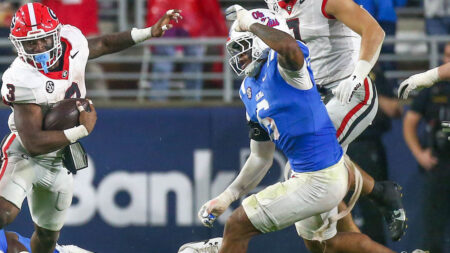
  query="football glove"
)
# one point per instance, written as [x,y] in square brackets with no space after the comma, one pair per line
[344,92]
[212,209]
[418,81]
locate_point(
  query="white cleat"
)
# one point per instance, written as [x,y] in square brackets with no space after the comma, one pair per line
[419,251]
[207,246]
[71,249]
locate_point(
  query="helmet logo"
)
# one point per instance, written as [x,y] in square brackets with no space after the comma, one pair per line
[49,86]
[249,93]
[271,22]
[52,14]
[13,21]
[64,74]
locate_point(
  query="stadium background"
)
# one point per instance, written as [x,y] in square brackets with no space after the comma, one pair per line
[153,163]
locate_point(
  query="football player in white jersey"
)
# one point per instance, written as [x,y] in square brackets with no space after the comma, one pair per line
[50,67]
[345,42]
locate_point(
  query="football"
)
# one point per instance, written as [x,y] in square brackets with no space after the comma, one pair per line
[64,114]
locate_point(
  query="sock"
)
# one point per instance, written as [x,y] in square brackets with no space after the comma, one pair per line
[377,192]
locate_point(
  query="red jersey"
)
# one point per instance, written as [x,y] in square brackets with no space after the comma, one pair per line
[201,18]
[82,14]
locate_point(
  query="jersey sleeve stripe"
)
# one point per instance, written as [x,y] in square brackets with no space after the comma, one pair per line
[325,14]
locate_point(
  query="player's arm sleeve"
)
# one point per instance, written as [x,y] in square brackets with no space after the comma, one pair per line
[297,78]
[80,41]
[254,169]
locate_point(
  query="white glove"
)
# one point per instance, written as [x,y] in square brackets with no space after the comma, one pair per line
[418,81]
[344,92]
[243,17]
[231,12]
[212,209]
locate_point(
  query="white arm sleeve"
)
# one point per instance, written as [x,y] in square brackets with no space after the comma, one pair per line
[254,169]
[298,79]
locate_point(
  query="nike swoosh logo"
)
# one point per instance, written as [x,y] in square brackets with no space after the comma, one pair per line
[73,56]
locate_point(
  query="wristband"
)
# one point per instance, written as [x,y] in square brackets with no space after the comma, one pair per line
[139,35]
[430,77]
[75,133]
[362,69]
[227,196]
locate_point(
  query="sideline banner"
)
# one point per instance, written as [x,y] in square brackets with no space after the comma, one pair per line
[150,171]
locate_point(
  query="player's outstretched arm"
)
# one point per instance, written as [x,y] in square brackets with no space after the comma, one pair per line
[251,174]
[424,80]
[115,42]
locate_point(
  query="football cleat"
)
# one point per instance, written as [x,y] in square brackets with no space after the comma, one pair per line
[391,207]
[207,246]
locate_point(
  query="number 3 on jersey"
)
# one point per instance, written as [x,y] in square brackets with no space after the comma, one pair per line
[268,122]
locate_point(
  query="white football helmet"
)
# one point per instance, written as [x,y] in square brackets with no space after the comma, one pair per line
[247,43]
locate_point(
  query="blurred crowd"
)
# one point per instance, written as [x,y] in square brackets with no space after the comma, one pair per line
[183,69]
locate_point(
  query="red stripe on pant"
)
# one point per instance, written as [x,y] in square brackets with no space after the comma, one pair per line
[5,158]
[354,110]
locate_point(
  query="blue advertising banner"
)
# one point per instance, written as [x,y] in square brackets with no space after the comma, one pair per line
[152,169]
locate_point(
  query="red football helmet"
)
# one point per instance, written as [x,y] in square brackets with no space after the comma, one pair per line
[32,22]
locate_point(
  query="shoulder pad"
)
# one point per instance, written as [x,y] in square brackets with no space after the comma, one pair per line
[76,39]
[21,74]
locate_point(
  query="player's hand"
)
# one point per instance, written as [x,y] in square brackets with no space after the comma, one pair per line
[345,91]
[87,119]
[211,210]
[163,23]
[231,13]
[415,82]
[426,159]
[244,18]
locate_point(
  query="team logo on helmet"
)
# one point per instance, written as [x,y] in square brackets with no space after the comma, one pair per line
[13,21]
[49,86]
[52,14]
[249,92]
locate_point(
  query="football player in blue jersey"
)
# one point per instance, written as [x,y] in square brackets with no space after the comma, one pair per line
[12,242]
[284,110]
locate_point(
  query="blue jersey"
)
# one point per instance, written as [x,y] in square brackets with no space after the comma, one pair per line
[24,240]
[296,120]
[3,242]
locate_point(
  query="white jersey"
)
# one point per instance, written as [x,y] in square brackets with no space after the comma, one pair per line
[22,83]
[334,47]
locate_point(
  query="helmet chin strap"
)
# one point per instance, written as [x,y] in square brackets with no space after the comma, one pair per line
[253,68]
[42,59]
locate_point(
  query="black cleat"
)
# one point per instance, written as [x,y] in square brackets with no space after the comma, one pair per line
[388,197]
